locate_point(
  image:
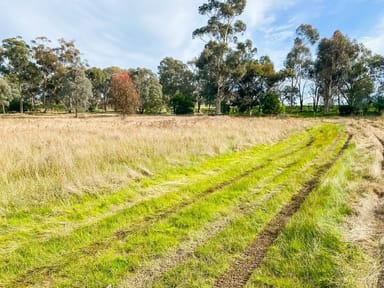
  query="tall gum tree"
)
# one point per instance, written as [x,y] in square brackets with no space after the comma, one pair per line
[333,58]
[299,62]
[15,56]
[77,90]
[222,31]
[149,90]
[175,77]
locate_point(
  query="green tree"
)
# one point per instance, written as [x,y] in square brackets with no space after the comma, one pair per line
[378,102]
[50,68]
[107,86]
[68,54]
[77,90]
[5,94]
[356,85]
[222,31]
[124,93]
[16,65]
[182,104]
[149,89]
[270,103]
[376,68]
[259,77]
[298,62]
[98,79]
[69,58]
[333,57]
[175,77]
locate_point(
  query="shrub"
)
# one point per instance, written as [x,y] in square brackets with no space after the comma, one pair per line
[182,104]
[270,103]
[345,110]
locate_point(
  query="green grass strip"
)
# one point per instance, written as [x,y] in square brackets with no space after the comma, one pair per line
[213,258]
[37,253]
[167,233]
[311,250]
[127,254]
[48,221]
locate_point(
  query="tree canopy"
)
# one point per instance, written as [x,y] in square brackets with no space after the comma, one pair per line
[227,75]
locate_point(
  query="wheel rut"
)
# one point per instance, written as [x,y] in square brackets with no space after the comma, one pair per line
[239,273]
[27,278]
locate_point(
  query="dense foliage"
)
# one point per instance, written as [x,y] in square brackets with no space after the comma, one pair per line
[226,74]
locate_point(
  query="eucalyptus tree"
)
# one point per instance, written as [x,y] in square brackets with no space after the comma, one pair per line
[333,58]
[299,61]
[356,84]
[106,88]
[5,94]
[376,64]
[16,65]
[259,79]
[149,89]
[50,68]
[98,79]
[77,90]
[175,77]
[222,31]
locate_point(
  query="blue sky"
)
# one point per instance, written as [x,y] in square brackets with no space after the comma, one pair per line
[131,33]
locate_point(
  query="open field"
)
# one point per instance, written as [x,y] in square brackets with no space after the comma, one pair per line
[191,202]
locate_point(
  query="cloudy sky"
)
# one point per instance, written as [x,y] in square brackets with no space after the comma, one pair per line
[132,33]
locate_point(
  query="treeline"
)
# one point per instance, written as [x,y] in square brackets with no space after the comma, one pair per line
[227,75]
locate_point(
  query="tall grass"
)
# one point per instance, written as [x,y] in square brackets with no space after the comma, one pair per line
[37,251]
[45,160]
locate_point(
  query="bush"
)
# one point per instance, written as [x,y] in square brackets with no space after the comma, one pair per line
[378,102]
[345,110]
[182,104]
[14,106]
[270,104]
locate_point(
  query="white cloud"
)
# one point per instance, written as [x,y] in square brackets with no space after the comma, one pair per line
[261,14]
[375,41]
[110,32]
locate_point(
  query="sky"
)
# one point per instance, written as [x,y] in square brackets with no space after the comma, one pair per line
[140,33]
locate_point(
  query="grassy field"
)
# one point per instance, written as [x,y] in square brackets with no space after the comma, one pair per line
[188,202]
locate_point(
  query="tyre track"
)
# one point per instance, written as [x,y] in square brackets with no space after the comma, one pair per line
[152,272]
[239,273]
[28,278]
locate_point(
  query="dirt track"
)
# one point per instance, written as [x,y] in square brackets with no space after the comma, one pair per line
[379,213]
[240,272]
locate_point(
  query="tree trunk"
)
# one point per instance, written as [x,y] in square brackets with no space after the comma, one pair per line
[218,106]
[219,96]
[301,104]
[21,100]
[105,102]
[327,97]
[3,108]
[292,95]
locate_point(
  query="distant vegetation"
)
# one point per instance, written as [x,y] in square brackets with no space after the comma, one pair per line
[227,76]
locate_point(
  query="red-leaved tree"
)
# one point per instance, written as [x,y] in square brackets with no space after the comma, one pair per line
[124,93]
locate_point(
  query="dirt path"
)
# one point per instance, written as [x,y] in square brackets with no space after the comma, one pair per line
[240,272]
[379,213]
[366,225]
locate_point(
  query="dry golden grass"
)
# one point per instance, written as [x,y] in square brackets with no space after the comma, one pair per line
[45,159]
